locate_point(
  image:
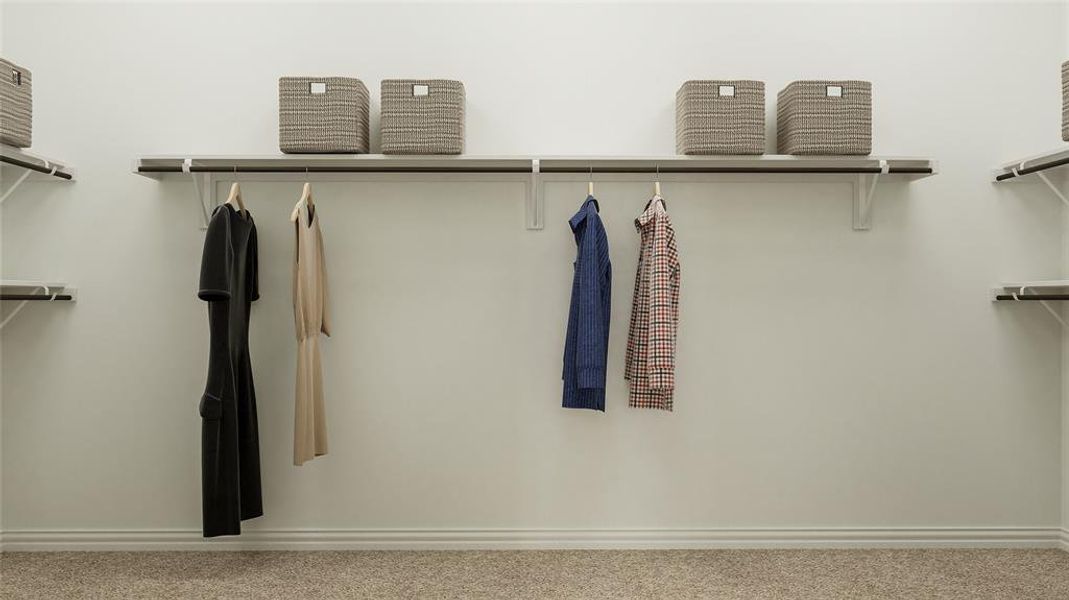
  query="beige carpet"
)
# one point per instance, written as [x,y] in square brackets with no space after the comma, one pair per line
[751,574]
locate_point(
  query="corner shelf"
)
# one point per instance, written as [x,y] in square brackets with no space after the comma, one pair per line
[866,170]
[24,291]
[32,166]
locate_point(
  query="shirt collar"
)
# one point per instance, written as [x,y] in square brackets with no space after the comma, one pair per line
[656,206]
[585,210]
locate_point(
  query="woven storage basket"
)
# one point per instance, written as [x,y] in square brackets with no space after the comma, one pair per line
[422,116]
[825,117]
[1065,101]
[322,114]
[16,105]
[720,117]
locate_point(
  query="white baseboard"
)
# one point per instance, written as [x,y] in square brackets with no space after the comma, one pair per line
[515,539]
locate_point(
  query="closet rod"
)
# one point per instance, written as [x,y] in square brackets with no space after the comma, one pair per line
[35,167]
[544,169]
[1029,170]
[36,297]
[1032,297]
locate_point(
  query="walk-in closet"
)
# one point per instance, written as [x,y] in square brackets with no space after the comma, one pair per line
[534,299]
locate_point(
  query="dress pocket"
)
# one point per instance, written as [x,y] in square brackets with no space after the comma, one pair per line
[211,407]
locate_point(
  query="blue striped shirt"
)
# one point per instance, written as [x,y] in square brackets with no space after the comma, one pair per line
[586,344]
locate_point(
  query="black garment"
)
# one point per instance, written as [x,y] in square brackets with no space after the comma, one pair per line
[230,447]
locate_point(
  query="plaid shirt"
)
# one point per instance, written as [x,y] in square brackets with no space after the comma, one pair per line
[651,340]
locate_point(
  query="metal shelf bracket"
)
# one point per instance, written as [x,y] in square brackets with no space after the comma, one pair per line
[52,171]
[864,190]
[205,189]
[1043,177]
[535,205]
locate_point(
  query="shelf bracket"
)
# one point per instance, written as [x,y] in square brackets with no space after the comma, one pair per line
[23,177]
[1050,184]
[535,204]
[864,190]
[202,185]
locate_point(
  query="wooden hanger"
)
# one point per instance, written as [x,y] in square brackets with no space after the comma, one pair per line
[306,198]
[235,199]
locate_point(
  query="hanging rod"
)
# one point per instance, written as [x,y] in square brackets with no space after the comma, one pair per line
[36,297]
[1040,297]
[53,170]
[543,169]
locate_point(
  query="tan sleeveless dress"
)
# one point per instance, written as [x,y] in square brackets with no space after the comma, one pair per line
[311,315]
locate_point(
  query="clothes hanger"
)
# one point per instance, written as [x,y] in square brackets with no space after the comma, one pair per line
[235,195]
[657,190]
[590,190]
[306,197]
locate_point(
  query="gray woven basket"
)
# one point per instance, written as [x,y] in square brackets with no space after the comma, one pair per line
[16,105]
[720,117]
[322,114]
[422,116]
[1065,101]
[825,117]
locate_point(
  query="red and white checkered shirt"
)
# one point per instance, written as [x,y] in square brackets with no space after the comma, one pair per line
[651,340]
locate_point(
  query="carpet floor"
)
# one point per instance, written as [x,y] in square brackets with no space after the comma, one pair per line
[670,574]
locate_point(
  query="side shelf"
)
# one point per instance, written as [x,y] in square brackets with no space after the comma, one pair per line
[13,160]
[25,291]
[1042,291]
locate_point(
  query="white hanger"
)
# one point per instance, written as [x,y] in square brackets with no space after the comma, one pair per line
[590,184]
[657,183]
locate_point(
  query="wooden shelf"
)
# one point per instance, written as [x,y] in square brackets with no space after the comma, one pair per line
[863,171]
[156,166]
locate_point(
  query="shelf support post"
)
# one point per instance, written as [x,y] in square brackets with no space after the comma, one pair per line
[536,201]
[863,196]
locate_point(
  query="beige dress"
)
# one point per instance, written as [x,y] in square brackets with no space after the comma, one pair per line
[311,315]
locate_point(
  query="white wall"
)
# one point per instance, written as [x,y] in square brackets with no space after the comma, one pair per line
[827,378]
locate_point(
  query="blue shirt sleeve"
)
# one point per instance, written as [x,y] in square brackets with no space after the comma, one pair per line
[591,321]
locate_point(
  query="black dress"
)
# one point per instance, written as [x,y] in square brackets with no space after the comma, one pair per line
[230,447]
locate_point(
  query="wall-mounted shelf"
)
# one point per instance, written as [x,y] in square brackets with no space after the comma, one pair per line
[866,169]
[1042,291]
[30,166]
[25,291]
[1040,165]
